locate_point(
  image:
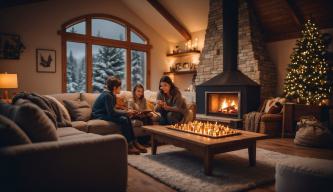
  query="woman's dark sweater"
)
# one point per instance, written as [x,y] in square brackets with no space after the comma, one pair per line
[105,106]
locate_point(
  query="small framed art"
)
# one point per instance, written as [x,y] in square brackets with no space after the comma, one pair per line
[45,61]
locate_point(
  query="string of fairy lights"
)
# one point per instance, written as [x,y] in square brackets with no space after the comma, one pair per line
[307,74]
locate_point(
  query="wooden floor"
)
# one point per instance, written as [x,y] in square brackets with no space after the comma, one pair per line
[138,181]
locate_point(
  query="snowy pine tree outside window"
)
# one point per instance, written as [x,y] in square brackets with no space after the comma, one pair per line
[111,47]
[138,67]
[108,61]
[76,67]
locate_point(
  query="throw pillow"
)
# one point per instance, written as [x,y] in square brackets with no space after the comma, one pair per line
[78,110]
[150,105]
[11,134]
[271,102]
[121,102]
[34,122]
[62,108]
[275,109]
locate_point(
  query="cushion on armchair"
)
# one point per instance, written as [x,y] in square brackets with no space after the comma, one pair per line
[274,105]
[271,117]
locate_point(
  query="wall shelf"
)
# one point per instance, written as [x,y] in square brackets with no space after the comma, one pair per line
[182,54]
[181,72]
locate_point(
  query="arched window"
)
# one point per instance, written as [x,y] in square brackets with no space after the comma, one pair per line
[98,45]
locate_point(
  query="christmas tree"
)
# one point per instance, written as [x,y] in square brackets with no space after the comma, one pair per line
[306,79]
[108,61]
[137,68]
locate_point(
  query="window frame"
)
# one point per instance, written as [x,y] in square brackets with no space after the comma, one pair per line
[90,40]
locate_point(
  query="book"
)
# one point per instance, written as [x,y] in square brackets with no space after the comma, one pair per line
[145,111]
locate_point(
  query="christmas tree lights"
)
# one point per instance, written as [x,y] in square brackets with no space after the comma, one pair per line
[306,79]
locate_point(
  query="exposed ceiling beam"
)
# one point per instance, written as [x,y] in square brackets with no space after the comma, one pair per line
[171,19]
[12,3]
[295,13]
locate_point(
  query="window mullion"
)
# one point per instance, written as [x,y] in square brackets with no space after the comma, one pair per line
[128,60]
[89,55]
[128,69]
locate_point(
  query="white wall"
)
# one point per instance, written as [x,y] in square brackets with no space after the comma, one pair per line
[38,23]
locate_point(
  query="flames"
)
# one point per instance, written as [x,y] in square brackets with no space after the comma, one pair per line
[228,106]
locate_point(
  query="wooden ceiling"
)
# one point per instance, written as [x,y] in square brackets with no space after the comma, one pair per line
[279,19]
[283,19]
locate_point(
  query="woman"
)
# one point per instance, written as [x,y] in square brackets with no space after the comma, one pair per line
[139,103]
[170,103]
[105,108]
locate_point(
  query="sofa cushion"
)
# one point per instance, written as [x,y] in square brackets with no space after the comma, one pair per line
[68,131]
[79,137]
[11,134]
[80,125]
[66,96]
[271,117]
[102,127]
[89,97]
[61,107]
[32,120]
[79,110]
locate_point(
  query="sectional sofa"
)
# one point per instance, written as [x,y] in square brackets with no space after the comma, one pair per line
[89,156]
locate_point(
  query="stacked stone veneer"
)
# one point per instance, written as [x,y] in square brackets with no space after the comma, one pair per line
[253,60]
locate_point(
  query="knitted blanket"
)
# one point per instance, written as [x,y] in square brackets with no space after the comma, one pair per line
[50,108]
[252,120]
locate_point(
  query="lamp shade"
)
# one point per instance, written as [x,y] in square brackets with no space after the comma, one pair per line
[8,81]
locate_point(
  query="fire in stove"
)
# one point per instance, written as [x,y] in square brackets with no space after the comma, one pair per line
[228,106]
[223,103]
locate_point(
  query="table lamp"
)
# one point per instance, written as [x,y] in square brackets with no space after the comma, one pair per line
[8,81]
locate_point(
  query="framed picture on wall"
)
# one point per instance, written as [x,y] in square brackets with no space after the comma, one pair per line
[45,61]
[11,46]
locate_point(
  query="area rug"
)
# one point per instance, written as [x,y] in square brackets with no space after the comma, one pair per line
[183,171]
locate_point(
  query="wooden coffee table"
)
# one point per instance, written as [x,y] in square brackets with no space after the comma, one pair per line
[204,146]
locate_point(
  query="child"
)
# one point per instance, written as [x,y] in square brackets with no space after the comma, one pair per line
[139,104]
[170,103]
[105,108]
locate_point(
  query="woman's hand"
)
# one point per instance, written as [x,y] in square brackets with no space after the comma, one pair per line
[167,107]
[160,103]
[131,112]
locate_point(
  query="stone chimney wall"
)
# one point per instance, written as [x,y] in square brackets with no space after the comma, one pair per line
[253,60]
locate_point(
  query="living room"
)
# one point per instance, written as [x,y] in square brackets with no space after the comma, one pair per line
[237,95]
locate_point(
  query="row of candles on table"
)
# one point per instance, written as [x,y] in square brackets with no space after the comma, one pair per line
[205,128]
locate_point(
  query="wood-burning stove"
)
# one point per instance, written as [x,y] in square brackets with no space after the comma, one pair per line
[240,93]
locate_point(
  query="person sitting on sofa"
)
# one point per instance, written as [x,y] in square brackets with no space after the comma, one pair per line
[170,103]
[139,103]
[105,108]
